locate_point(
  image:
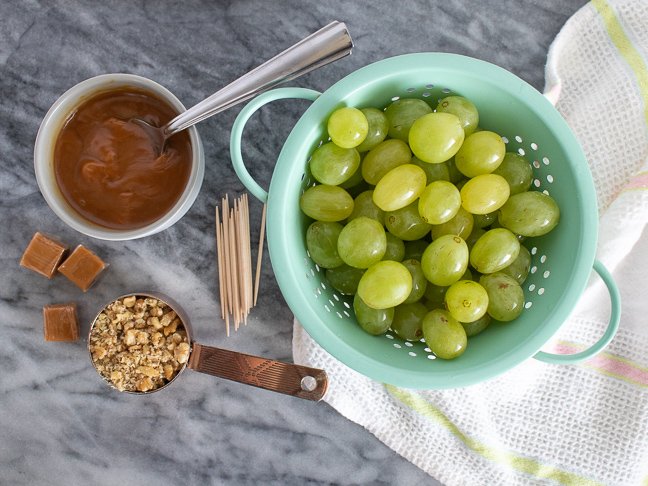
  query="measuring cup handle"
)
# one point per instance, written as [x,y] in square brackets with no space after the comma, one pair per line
[611,330]
[290,379]
[241,120]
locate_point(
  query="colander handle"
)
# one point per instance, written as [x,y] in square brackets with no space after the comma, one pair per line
[239,125]
[613,326]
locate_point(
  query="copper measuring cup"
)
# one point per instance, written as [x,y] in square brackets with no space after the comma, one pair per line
[287,378]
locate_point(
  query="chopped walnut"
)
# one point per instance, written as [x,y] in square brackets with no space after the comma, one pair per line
[138,344]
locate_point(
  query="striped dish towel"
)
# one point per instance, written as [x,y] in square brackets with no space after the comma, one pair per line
[541,423]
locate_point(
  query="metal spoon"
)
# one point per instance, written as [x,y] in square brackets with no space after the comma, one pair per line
[318,49]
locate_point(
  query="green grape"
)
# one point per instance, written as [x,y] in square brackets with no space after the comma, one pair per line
[466,300]
[463,109]
[385,284]
[439,202]
[474,235]
[363,205]
[326,203]
[496,249]
[436,137]
[378,127]
[373,321]
[399,187]
[408,321]
[443,334]
[407,224]
[321,241]
[354,181]
[481,153]
[347,127]
[517,171]
[505,296]
[484,193]
[519,269]
[419,282]
[445,260]
[435,296]
[484,220]
[395,248]
[402,113]
[530,214]
[461,225]
[333,165]
[433,172]
[414,249]
[475,327]
[453,172]
[362,242]
[383,158]
[344,278]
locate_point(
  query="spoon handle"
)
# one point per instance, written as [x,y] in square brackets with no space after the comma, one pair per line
[291,379]
[318,49]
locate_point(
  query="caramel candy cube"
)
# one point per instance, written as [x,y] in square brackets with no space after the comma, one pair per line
[43,255]
[82,267]
[60,322]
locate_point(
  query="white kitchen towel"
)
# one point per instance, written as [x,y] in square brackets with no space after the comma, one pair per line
[541,423]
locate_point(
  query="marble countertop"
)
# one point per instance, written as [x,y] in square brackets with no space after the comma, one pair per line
[60,424]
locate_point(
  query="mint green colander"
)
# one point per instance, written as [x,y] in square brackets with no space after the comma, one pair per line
[562,260]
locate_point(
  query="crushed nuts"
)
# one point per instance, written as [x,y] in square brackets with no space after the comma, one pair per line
[138,344]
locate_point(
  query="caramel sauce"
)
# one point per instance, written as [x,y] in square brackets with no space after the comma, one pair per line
[107,167]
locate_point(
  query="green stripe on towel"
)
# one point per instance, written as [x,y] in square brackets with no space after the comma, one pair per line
[502,457]
[625,47]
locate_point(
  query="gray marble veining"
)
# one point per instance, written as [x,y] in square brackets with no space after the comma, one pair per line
[60,424]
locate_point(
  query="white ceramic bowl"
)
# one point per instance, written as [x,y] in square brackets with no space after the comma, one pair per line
[46,140]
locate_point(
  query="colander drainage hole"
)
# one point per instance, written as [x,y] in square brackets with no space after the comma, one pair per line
[397,346]
[412,353]
[518,138]
[528,305]
[534,146]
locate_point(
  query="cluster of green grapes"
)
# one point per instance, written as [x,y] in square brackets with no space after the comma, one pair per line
[420,215]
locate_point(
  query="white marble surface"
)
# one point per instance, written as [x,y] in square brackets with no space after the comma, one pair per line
[60,424]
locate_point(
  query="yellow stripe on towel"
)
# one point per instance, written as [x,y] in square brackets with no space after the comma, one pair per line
[625,47]
[523,464]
